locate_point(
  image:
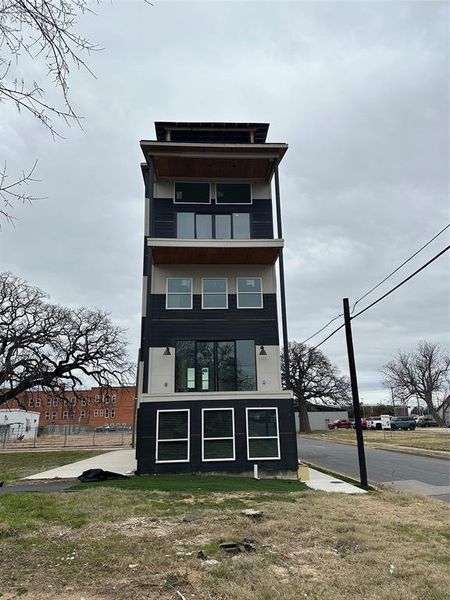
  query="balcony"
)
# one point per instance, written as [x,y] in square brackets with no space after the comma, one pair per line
[166,251]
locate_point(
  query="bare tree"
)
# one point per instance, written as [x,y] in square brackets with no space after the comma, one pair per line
[39,30]
[313,377]
[419,373]
[55,349]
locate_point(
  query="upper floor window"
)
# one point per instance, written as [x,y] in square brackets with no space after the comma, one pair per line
[233,193]
[249,292]
[179,293]
[214,293]
[192,193]
[221,227]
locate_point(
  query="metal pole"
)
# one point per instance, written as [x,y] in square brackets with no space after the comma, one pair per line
[282,282]
[355,395]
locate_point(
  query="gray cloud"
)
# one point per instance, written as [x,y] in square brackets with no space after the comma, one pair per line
[358,90]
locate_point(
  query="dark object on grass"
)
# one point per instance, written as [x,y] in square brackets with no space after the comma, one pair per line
[191,519]
[92,475]
[201,555]
[237,547]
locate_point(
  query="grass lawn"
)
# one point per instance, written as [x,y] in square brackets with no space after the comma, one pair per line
[15,465]
[423,439]
[127,540]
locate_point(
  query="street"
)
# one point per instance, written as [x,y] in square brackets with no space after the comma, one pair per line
[423,475]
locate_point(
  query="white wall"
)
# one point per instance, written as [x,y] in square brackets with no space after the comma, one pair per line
[319,420]
[17,423]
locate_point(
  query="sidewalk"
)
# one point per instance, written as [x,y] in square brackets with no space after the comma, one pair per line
[119,461]
[326,483]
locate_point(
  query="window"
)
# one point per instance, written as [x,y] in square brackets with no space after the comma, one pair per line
[31,402]
[83,414]
[101,412]
[95,412]
[192,193]
[37,402]
[233,193]
[179,293]
[49,402]
[97,399]
[83,402]
[218,434]
[65,414]
[113,399]
[47,415]
[249,292]
[172,436]
[107,413]
[202,366]
[113,413]
[55,402]
[54,415]
[221,227]
[263,442]
[214,293]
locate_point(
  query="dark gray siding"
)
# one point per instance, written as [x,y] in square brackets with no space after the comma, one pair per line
[146,437]
[167,326]
[164,216]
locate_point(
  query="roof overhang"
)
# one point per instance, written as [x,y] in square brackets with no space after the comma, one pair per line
[166,251]
[213,161]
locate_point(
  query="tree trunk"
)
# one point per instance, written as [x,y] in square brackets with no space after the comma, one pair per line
[303,416]
[433,412]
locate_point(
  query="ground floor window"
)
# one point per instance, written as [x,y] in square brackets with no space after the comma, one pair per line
[172,436]
[204,366]
[218,434]
[263,439]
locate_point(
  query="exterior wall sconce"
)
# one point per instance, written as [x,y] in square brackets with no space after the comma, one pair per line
[262,351]
[166,351]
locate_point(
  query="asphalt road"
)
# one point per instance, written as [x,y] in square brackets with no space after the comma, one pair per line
[423,475]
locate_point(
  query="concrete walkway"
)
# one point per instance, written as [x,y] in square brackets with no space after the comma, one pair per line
[326,483]
[119,461]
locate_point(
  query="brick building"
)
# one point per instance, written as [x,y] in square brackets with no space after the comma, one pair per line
[90,409]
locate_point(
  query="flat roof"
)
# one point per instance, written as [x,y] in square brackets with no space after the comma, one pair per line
[211,132]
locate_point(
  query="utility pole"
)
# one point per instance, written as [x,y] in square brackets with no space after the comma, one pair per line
[355,395]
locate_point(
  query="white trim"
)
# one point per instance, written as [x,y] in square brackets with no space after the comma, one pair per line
[214,243]
[215,294]
[262,437]
[218,438]
[260,292]
[233,203]
[179,293]
[192,203]
[188,439]
[219,396]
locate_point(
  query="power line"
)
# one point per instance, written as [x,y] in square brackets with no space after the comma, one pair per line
[402,282]
[399,267]
[386,294]
[320,330]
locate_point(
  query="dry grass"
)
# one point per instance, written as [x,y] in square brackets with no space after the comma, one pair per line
[127,544]
[423,439]
[75,440]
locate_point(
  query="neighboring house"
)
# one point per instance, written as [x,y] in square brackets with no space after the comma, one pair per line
[209,395]
[320,416]
[18,424]
[443,410]
[92,408]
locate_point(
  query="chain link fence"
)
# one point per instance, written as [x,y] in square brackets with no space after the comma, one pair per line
[65,436]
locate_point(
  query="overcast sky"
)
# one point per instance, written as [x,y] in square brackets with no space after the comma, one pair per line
[359,91]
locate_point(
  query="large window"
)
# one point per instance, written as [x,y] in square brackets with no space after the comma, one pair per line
[203,366]
[249,292]
[192,193]
[214,293]
[263,440]
[218,434]
[220,227]
[233,193]
[172,436]
[179,293]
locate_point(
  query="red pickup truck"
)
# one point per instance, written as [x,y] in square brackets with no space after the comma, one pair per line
[340,424]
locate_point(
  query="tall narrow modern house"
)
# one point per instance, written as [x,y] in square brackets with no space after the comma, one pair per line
[209,384]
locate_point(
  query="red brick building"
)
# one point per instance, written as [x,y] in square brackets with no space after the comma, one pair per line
[92,408]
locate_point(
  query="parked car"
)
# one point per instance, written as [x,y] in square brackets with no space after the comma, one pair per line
[363,423]
[426,421]
[340,424]
[382,422]
[404,423]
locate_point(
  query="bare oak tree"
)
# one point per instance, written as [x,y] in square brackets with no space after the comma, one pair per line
[313,377]
[41,30]
[419,373]
[55,349]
